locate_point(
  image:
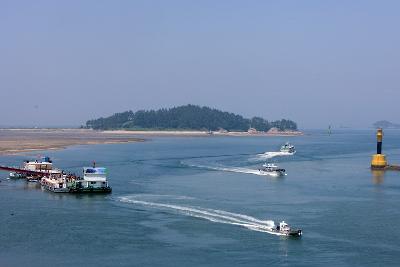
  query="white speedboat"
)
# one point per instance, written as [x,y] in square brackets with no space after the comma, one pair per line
[288,148]
[284,229]
[271,169]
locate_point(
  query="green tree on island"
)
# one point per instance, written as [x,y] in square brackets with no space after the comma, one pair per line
[188,117]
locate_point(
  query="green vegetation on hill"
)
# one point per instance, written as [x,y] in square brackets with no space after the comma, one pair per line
[189,117]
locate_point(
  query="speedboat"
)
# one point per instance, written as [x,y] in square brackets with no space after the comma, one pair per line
[284,229]
[271,169]
[288,148]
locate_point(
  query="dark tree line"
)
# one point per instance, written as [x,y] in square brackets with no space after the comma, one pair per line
[186,117]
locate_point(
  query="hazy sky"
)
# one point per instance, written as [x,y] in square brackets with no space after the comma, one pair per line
[316,62]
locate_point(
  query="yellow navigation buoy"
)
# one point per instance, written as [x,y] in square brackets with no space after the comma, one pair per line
[379,160]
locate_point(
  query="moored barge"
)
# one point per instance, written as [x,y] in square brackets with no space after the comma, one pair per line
[94,180]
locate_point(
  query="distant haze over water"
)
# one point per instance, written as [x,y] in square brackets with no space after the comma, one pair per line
[317,63]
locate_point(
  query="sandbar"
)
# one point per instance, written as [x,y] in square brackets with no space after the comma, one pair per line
[14,141]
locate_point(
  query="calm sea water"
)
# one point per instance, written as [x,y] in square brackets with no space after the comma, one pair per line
[192,202]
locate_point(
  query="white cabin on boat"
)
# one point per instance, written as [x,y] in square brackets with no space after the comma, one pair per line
[42,165]
[55,183]
[94,177]
[283,226]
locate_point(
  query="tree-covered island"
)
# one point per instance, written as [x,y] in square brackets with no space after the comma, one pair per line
[188,117]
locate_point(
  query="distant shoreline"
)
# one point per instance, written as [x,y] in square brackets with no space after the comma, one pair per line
[15,141]
[203,133]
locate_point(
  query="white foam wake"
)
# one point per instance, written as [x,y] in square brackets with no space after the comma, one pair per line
[218,216]
[233,169]
[270,155]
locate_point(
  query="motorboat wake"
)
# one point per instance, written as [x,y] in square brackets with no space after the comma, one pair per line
[218,216]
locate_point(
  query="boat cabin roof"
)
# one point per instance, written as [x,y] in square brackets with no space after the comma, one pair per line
[270,165]
[43,160]
[98,174]
[38,162]
[98,170]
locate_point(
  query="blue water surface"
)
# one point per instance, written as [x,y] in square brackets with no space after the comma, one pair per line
[191,201]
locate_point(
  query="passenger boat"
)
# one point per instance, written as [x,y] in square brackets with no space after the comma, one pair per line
[55,183]
[288,148]
[271,169]
[94,181]
[32,170]
[40,168]
[44,164]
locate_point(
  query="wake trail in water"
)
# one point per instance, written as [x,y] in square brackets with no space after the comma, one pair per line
[232,169]
[218,216]
[270,155]
[193,157]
